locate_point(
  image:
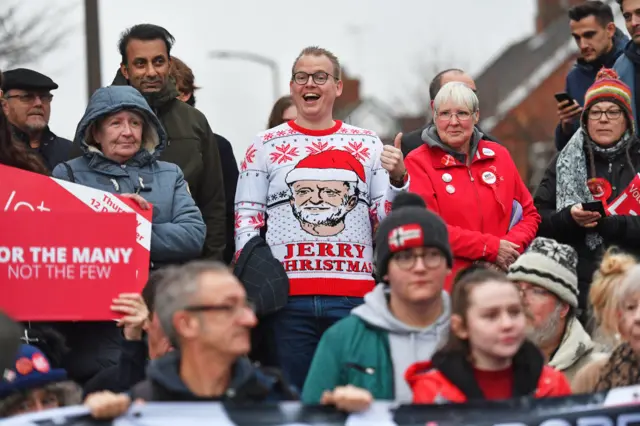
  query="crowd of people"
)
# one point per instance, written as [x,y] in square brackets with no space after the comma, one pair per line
[329,267]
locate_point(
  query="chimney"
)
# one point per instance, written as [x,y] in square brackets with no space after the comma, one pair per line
[550,10]
[350,92]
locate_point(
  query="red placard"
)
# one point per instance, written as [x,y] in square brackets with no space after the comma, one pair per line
[65,266]
[22,191]
[627,203]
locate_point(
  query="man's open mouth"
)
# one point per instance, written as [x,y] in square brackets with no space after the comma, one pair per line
[310,97]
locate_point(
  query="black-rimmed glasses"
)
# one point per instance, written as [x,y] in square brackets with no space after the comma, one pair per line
[406,259]
[319,77]
[612,114]
[29,98]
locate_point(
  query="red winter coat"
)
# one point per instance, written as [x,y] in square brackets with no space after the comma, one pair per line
[430,385]
[433,387]
[476,202]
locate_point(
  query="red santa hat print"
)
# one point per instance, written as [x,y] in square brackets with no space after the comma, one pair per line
[328,165]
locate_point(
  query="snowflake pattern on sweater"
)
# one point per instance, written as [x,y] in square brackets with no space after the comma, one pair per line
[321,195]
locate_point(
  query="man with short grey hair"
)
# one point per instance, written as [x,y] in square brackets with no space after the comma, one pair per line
[203,310]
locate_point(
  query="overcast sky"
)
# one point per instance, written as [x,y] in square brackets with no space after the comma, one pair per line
[385,43]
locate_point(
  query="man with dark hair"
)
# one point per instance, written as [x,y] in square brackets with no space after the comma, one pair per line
[628,64]
[600,44]
[413,140]
[146,64]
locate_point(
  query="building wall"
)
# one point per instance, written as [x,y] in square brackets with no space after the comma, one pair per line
[534,120]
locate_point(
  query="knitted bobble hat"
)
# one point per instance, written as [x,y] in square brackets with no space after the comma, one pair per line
[609,88]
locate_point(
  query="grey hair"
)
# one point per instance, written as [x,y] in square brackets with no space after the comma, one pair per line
[459,94]
[177,289]
[549,328]
[629,285]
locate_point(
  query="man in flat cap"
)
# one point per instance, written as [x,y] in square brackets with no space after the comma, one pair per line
[27,104]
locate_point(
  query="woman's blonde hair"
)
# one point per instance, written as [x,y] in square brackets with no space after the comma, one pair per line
[604,294]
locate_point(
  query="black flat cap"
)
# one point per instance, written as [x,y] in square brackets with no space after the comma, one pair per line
[26,79]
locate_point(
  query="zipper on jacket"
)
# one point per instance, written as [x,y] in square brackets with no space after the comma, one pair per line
[610,165]
[366,370]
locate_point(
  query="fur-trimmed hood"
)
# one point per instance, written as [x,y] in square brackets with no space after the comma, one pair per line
[68,393]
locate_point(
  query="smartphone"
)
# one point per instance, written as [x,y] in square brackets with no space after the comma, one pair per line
[562,97]
[594,206]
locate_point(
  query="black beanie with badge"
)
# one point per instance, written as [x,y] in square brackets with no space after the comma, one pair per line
[409,225]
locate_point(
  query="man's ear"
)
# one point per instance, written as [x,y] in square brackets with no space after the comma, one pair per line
[611,29]
[339,87]
[124,71]
[564,311]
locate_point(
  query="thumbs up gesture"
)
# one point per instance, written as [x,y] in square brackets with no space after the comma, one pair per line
[392,159]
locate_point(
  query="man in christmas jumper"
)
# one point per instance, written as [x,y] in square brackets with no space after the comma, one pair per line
[323,185]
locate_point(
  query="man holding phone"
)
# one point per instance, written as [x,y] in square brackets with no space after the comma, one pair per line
[600,44]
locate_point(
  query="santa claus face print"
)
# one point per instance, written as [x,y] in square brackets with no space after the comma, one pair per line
[314,97]
[321,206]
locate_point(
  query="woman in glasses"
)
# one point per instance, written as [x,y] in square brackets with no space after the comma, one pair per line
[122,138]
[472,183]
[588,195]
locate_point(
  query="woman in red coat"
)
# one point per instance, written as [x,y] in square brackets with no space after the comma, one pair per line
[487,356]
[472,183]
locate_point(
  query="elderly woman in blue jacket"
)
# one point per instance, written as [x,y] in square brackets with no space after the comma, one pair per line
[121,138]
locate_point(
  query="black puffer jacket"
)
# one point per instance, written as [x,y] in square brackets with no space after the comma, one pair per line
[620,231]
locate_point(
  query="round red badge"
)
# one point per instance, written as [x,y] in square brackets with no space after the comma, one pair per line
[24,366]
[600,188]
[40,363]
[448,160]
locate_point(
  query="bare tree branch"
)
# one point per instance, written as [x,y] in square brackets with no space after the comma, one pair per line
[25,41]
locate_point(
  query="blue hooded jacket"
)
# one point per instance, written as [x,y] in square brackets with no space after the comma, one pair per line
[582,76]
[178,230]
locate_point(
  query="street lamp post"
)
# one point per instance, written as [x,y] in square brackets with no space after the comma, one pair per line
[255,58]
[92,32]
